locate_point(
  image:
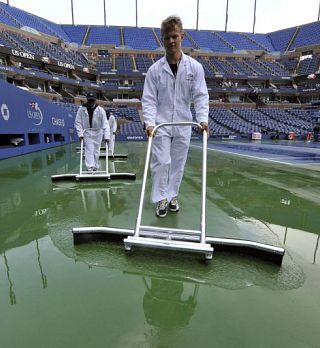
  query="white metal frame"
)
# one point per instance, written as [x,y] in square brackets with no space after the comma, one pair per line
[86,173]
[171,238]
[177,239]
[93,175]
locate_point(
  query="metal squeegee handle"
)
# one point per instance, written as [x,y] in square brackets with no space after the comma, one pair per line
[187,123]
[204,176]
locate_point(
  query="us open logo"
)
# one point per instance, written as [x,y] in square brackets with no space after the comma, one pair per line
[5,112]
[35,114]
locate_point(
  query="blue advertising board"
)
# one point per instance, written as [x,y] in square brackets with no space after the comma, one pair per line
[40,123]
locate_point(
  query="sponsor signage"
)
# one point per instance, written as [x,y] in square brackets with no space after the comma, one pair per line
[57,122]
[23,54]
[309,89]
[241,89]
[66,65]
[5,112]
[135,137]
[125,88]
[6,68]
[34,113]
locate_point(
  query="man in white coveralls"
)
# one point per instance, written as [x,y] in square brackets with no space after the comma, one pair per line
[113,129]
[171,84]
[92,126]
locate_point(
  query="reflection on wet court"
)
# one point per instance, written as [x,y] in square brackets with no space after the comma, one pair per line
[95,295]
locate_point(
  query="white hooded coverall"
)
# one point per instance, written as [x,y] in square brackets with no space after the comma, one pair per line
[113,128]
[167,98]
[92,137]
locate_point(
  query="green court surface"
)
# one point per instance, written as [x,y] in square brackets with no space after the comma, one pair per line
[56,294]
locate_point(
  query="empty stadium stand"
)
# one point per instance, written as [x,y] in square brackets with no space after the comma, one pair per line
[256,82]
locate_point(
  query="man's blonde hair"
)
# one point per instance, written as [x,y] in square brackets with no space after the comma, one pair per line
[170,23]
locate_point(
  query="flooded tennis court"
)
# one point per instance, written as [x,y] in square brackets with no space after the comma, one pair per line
[57,294]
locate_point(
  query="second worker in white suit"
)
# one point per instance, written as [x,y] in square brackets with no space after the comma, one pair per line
[113,130]
[92,126]
[171,84]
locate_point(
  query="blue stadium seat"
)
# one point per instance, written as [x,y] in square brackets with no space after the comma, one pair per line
[140,38]
[308,34]
[206,40]
[280,39]
[76,33]
[104,35]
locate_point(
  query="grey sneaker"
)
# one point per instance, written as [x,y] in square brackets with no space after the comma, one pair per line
[174,204]
[162,208]
[92,169]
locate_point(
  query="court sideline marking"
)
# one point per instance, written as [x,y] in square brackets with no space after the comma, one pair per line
[256,157]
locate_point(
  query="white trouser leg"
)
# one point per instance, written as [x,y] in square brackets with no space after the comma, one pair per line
[160,163]
[92,148]
[89,154]
[96,154]
[179,154]
[111,144]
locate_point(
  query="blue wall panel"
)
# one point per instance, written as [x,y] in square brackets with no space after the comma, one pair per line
[23,113]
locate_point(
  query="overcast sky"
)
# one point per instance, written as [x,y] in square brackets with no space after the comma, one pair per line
[271,15]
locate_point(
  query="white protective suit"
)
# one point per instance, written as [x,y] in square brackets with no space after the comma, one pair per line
[167,98]
[113,128]
[92,136]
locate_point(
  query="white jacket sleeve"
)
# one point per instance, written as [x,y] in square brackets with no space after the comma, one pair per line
[149,99]
[113,127]
[78,123]
[201,96]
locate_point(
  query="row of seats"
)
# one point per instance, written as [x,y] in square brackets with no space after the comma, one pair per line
[282,121]
[147,38]
[19,18]
[309,65]
[41,48]
[216,41]
[226,122]
[214,66]
[308,34]
[211,65]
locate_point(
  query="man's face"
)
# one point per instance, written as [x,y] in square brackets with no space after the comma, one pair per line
[91,101]
[172,40]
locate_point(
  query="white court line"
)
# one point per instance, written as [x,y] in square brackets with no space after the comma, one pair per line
[255,157]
